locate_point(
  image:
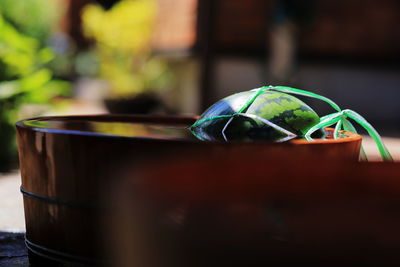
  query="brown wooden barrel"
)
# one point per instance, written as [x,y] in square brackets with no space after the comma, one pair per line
[69,163]
[235,212]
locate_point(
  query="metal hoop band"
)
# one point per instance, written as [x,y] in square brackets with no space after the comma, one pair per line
[57,201]
[59,256]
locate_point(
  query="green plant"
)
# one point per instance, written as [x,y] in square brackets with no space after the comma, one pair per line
[122,38]
[24,79]
[34,18]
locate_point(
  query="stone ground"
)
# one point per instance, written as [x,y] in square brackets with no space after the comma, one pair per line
[11,205]
[12,225]
[12,250]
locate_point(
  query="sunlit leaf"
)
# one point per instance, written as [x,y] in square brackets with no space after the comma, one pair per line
[45,55]
[9,89]
[35,80]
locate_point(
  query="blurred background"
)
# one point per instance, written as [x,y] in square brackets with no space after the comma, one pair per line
[180,56]
[65,57]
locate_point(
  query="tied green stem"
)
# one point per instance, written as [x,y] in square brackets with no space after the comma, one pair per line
[322,124]
[296,91]
[241,110]
[342,120]
[348,126]
[337,129]
[251,101]
[372,132]
[197,123]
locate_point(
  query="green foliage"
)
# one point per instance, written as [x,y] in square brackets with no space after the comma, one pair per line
[122,38]
[24,79]
[34,18]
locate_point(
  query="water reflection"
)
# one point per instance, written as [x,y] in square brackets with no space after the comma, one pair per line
[113,128]
[167,131]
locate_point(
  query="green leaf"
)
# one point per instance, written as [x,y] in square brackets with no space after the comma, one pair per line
[9,89]
[45,55]
[35,80]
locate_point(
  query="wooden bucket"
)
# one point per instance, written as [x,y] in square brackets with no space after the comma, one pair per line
[69,163]
[223,212]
